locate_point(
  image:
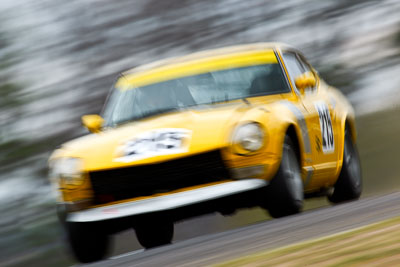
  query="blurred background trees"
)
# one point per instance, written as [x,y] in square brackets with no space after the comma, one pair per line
[11,101]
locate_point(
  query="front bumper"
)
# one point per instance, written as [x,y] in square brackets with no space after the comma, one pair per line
[167,202]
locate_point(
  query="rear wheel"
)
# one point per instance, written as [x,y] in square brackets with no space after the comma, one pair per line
[349,184]
[87,244]
[155,234]
[285,192]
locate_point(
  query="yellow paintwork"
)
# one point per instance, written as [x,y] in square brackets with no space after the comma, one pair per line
[212,128]
[305,80]
[93,122]
[196,67]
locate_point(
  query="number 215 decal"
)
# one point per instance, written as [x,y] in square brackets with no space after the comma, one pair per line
[328,145]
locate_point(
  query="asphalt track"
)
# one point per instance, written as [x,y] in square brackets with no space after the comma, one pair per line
[216,248]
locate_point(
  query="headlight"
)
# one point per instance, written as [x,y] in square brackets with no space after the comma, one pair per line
[248,138]
[68,171]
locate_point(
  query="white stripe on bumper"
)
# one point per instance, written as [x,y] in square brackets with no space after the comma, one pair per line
[166,202]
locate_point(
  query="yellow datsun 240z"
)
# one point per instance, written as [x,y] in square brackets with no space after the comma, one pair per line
[242,126]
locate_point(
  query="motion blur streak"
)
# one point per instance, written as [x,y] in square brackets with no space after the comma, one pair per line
[58,58]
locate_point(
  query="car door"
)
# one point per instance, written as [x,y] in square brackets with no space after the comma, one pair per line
[317,114]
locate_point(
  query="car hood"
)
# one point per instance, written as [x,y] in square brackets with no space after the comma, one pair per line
[202,128]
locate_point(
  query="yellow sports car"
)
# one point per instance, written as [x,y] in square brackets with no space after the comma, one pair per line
[214,131]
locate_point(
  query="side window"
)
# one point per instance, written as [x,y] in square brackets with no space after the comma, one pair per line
[294,67]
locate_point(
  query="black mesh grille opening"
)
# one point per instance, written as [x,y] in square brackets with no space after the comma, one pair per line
[145,180]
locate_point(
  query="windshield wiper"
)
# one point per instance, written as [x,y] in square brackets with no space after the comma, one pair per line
[246,101]
[159,111]
[146,115]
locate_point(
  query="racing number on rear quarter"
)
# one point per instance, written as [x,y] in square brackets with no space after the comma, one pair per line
[328,145]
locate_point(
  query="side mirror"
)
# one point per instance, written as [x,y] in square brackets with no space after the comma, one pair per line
[92,122]
[304,81]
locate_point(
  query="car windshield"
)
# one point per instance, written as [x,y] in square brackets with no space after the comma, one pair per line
[128,104]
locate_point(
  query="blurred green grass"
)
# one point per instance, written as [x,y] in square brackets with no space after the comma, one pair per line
[379,148]
[371,245]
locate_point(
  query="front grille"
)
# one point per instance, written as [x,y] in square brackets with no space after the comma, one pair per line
[145,180]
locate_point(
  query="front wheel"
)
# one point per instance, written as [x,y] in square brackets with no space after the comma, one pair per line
[285,193]
[349,184]
[87,243]
[155,234]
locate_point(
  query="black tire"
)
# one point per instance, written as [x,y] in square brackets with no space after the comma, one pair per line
[86,243]
[349,184]
[285,193]
[152,235]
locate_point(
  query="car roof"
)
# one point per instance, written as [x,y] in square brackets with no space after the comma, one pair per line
[237,49]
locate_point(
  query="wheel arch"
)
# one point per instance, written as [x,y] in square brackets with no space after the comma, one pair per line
[350,124]
[347,122]
[293,134]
